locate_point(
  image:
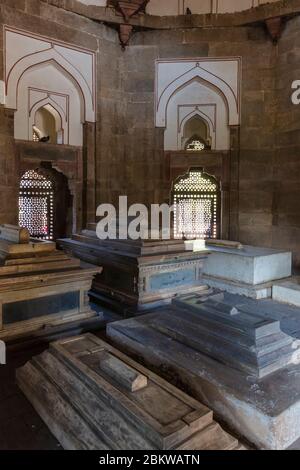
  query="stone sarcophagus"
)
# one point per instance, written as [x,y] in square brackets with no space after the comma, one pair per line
[245,270]
[138,274]
[93,397]
[229,355]
[39,285]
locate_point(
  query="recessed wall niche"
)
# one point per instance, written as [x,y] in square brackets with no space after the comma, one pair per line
[196,130]
[48,125]
[201,88]
[51,87]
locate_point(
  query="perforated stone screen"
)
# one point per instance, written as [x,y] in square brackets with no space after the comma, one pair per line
[196,200]
[36,205]
[196,146]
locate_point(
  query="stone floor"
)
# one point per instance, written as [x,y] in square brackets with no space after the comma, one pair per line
[22,429]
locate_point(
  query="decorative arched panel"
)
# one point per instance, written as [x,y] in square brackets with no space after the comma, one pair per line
[208,87]
[67,102]
[58,113]
[38,70]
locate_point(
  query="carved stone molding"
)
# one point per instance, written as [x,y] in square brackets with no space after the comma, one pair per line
[125,32]
[275,27]
[128,9]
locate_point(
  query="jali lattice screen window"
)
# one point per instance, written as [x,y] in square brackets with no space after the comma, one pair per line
[196,199]
[36,205]
[196,146]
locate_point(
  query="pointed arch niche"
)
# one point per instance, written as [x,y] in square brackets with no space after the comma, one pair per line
[195,128]
[46,120]
[49,78]
[207,88]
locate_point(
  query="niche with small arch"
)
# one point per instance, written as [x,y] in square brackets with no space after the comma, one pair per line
[196,135]
[48,125]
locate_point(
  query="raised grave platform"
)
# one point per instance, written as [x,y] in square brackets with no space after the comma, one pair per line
[93,397]
[287,291]
[246,270]
[40,286]
[138,274]
[236,361]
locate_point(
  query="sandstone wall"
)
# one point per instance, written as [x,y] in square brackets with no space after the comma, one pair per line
[256,132]
[286,163]
[8,168]
[269,164]
[44,19]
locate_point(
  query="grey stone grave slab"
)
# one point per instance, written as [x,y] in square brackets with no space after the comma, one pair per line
[249,271]
[240,364]
[92,396]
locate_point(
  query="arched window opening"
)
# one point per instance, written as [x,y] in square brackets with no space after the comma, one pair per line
[196,135]
[45,122]
[196,199]
[45,203]
[48,125]
[36,205]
